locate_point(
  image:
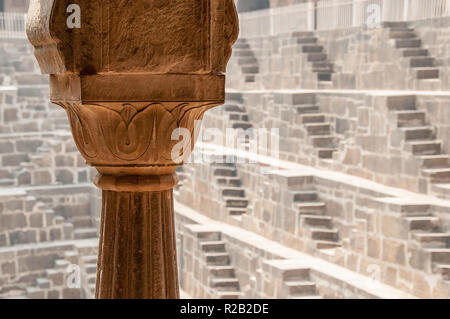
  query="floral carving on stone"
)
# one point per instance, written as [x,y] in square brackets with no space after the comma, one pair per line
[130,134]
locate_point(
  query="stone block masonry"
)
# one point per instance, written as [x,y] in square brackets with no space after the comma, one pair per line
[400,56]
[393,232]
[394,138]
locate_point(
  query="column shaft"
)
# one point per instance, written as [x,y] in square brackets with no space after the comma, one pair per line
[137,250]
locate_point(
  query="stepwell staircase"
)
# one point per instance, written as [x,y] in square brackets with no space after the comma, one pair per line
[222,276]
[415,57]
[316,55]
[239,120]
[246,60]
[233,194]
[420,139]
[298,285]
[426,229]
[319,130]
[314,221]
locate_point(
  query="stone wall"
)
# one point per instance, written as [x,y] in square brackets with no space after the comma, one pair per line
[283,61]
[372,224]
[364,130]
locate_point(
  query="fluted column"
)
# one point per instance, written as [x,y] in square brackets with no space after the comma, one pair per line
[137,239]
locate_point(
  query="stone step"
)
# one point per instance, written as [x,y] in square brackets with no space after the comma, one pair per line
[418,132]
[71,256]
[234,108]
[314,57]
[410,118]
[240,117]
[235,202]
[438,175]
[296,274]
[233,192]
[217,259]
[242,125]
[250,60]
[424,224]
[241,45]
[324,244]
[427,73]
[432,147]
[433,240]
[402,29]
[317,221]
[91,279]
[312,48]
[395,24]
[311,208]
[225,284]
[243,53]
[324,234]
[81,222]
[307,109]
[228,294]
[421,62]
[305,196]
[85,233]
[250,69]
[62,264]
[225,172]
[408,43]
[324,76]
[233,181]
[43,283]
[222,271]
[314,129]
[325,141]
[444,270]
[313,118]
[7,182]
[307,40]
[213,246]
[302,34]
[441,190]
[408,53]
[439,255]
[250,78]
[323,64]
[90,268]
[411,210]
[402,34]
[434,161]
[237,211]
[300,288]
[325,153]
[89,259]
[401,102]
[207,236]
[327,68]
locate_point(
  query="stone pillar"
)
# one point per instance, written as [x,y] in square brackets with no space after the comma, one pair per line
[129,73]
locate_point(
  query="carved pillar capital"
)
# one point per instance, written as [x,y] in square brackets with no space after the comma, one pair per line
[129,73]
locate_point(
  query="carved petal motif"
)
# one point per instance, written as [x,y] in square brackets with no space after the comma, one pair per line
[132,134]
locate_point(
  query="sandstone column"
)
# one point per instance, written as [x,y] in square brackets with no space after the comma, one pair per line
[129,73]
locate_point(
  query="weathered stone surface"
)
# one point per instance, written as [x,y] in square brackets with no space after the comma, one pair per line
[128,78]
